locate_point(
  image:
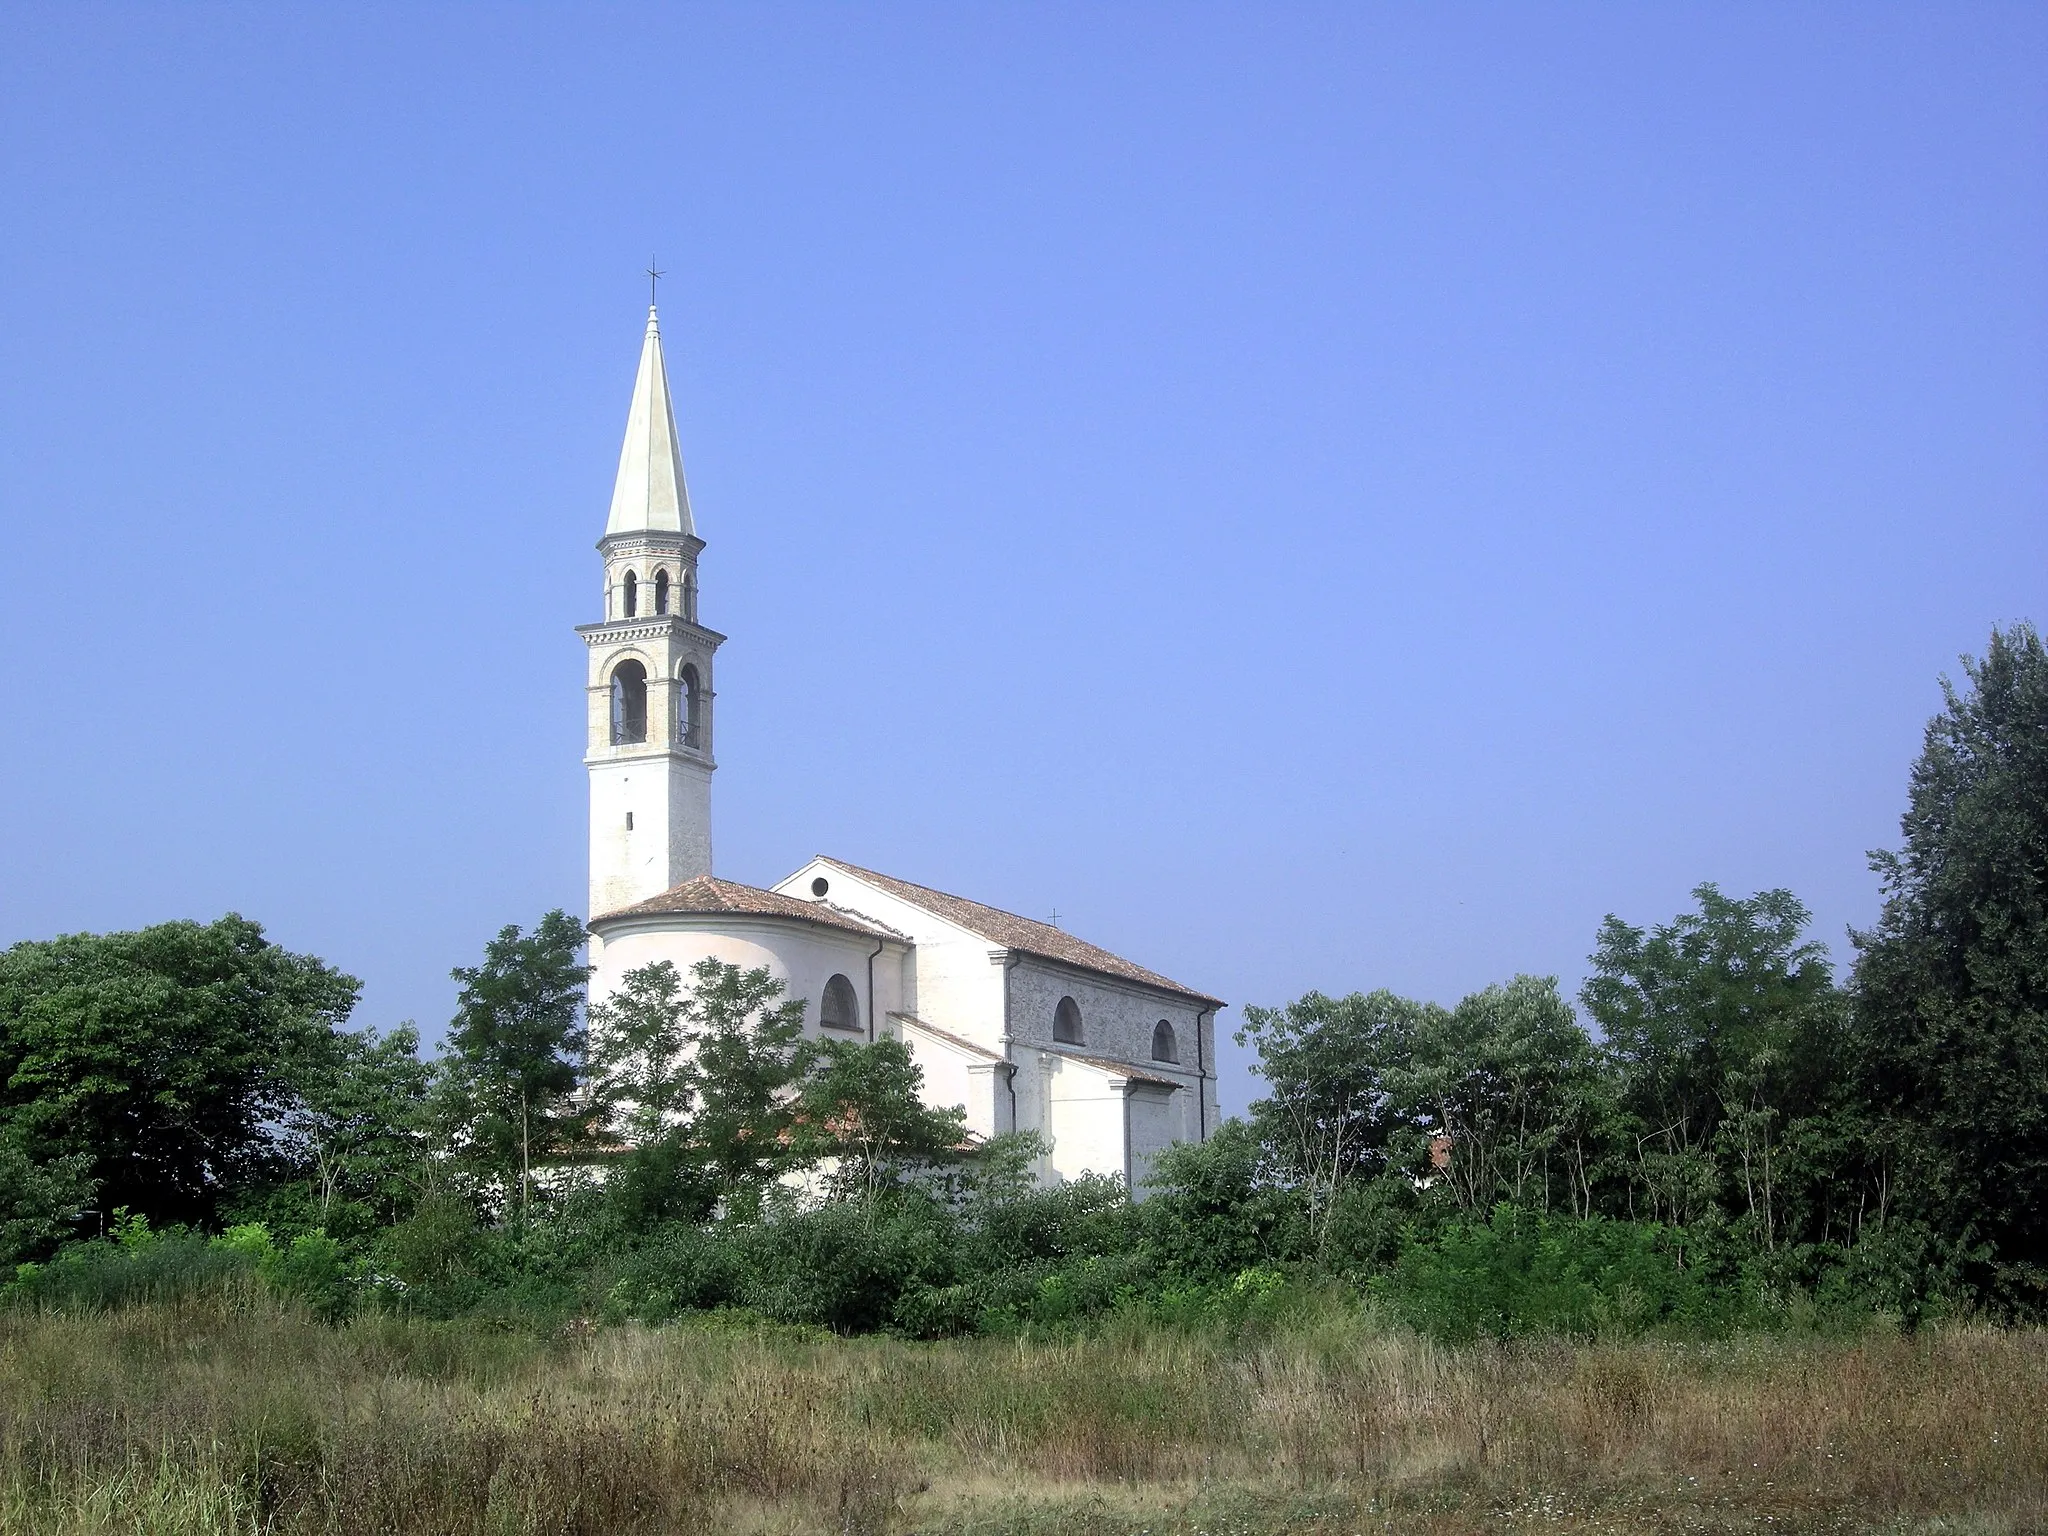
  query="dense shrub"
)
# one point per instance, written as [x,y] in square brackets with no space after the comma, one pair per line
[844,1266]
[1523,1273]
[105,1273]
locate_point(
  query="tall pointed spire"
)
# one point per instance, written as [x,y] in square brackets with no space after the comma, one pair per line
[649,493]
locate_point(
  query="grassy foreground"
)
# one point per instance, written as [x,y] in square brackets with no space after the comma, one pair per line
[234,1414]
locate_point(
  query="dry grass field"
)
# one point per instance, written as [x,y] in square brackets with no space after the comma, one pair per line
[233,1415]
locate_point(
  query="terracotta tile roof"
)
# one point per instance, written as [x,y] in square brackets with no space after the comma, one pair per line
[1120,1068]
[1014,932]
[708,894]
[958,1042]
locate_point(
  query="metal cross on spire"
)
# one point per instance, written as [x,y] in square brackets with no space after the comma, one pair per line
[654,275]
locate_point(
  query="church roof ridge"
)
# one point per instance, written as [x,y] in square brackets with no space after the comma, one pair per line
[650,494]
[1022,933]
[707,894]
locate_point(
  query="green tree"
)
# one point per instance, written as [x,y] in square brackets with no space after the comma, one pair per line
[862,1106]
[1951,986]
[1329,1111]
[748,1054]
[38,1201]
[161,1057]
[360,1120]
[642,1071]
[643,1077]
[1514,1083]
[514,1052]
[1723,1024]
[1224,1205]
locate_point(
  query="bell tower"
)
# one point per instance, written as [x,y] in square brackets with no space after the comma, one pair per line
[649,753]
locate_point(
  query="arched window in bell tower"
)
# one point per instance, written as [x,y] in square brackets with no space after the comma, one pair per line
[661,591]
[629,702]
[689,708]
[630,591]
[690,596]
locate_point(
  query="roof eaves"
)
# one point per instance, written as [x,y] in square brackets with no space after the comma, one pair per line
[1027,937]
[1151,981]
[1117,1068]
[949,1038]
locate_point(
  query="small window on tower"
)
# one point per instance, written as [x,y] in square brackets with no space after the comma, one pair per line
[661,591]
[690,596]
[1066,1022]
[629,703]
[629,821]
[630,594]
[689,708]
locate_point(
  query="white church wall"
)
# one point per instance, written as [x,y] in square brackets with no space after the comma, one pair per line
[956,986]
[801,956]
[1083,1110]
[954,1078]
[1155,1118]
[1117,1021]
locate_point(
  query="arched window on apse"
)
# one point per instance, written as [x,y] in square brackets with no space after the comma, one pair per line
[630,591]
[1164,1046]
[629,703]
[689,708]
[841,1007]
[661,591]
[1066,1022]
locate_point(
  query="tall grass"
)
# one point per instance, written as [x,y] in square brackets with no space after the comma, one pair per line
[232,1413]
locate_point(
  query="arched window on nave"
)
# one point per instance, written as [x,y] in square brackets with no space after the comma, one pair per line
[841,1007]
[1164,1046]
[1066,1022]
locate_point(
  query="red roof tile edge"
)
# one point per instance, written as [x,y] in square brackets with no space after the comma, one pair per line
[707,895]
[1014,932]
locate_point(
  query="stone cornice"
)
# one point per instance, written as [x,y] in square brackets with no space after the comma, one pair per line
[650,538]
[643,752]
[657,627]
[1109,981]
[613,924]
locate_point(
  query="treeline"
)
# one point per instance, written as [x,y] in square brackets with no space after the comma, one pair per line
[1739,1139]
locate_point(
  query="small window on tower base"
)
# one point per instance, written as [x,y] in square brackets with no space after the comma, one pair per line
[629,821]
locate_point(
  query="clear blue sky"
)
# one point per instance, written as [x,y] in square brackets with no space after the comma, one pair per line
[1319,496]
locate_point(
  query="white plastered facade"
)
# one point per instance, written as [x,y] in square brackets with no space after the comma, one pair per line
[802,956]
[976,1006]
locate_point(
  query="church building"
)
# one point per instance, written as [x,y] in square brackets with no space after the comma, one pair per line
[1019,1023]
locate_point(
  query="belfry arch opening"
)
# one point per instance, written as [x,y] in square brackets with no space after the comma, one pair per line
[661,591]
[629,702]
[689,708]
[690,596]
[1066,1022]
[629,595]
